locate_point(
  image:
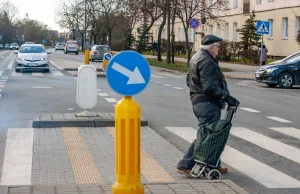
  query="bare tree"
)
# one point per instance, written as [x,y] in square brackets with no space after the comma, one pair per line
[188,9]
[163,7]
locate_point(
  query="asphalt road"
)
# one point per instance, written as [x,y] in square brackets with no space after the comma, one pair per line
[264,139]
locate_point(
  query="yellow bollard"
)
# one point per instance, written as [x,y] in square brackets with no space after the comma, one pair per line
[86,56]
[127,150]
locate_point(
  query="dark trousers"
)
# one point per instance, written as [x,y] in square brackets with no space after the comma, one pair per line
[205,112]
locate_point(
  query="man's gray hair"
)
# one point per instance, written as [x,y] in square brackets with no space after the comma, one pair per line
[207,47]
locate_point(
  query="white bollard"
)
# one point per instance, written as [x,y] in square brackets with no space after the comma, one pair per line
[86,96]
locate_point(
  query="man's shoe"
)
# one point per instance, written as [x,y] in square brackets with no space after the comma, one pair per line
[223,170]
[186,172]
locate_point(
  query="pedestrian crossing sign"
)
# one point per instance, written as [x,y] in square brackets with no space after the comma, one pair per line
[262,27]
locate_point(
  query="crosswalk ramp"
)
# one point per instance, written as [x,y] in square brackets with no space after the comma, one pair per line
[252,165]
[37,74]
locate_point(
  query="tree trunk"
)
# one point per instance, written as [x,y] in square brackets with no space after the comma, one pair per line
[173,37]
[168,32]
[161,27]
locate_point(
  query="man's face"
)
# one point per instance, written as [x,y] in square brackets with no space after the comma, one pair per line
[214,50]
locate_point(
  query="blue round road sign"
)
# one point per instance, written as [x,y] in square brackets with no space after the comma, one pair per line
[128,73]
[194,23]
[107,56]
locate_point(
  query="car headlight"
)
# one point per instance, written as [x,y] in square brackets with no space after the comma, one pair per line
[270,70]
[44,59]
[20,59]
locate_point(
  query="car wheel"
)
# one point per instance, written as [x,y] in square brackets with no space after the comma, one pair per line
[46,70]
[286,80]
[272,85]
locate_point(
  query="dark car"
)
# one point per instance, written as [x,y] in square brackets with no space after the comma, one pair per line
[285,73]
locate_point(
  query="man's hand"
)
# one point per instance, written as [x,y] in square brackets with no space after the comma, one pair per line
[231,101]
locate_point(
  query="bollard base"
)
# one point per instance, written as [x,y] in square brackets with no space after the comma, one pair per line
[87,113]
[119,188]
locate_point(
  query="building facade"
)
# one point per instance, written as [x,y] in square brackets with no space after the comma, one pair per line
[284,17]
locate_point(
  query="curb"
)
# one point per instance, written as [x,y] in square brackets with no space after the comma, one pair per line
[234,186]
[78,123]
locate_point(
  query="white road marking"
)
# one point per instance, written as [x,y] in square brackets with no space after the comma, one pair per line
[290,131]
[262,173]
[157,76]
[167,84]
[17,163]
[267,143]
[156,82]
[57,73]
[111,100]
[56,65]
[279,119]
[171,75]
[1,72]
[70,108]
[16,74]
[37,74]
[10,65]
[102,94]
[178,88]
[250,110]
[41,87]
[2,83]
[98,90]
[2,86]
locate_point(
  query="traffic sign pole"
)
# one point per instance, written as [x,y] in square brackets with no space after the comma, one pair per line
[127,142]
[106,59]
[262,27]
[261,50]
[128,73]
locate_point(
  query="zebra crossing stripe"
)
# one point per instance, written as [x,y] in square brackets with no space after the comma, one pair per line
[262,173]
[17,162]
[267,143]
[57,73]
[16,74]
[290,131]
[37,74]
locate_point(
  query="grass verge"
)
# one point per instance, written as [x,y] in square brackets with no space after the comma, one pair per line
[178,66]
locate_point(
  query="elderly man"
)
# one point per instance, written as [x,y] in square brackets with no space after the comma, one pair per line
[208,92]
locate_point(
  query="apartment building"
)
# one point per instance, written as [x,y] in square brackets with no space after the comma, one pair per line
[284,17]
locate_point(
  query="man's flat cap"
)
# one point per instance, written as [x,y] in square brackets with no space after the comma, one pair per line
[210,39]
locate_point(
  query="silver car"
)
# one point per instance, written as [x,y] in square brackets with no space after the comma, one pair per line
[59,46]
[98,51]
[32,56]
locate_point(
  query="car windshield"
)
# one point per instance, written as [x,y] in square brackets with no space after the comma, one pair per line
[14,44]
[72,45]
[293,59]
[102,48]
[32,49]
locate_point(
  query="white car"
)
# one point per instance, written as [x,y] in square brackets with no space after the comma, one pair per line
[32,56]
[59,46]
[14,46]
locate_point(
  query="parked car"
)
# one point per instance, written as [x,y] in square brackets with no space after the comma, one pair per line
[59,46]
[97,52]
[284,73]
[292,55]
[14,46]
[1,46]
[7,46]
[32,56]
[29,43]
[71,47]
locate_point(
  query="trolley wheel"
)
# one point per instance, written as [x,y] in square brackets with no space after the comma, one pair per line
[214,175]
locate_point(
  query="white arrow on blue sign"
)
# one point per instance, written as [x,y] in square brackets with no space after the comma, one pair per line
[107,56]
[128,73]
[262,27]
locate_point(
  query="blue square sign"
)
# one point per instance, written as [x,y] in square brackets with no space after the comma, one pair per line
[263,27]
[128,73]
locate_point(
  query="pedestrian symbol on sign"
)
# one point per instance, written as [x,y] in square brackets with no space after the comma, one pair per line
[263,28]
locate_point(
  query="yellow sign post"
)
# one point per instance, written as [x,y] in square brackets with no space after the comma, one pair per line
[106,59]
[86,56]
[128,164]
[128,73]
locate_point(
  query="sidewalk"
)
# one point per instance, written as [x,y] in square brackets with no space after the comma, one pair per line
[75,160]
[238,71]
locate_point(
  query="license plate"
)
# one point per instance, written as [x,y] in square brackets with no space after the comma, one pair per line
[257,75]
[32,64]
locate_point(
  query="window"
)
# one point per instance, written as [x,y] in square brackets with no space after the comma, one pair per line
[190,34]
[226,31]
[297,26]
[179,34]
[210,2]
[210,29]
[234,33]
[270,35]
[226,4]
[218,30]
[246,6]
[236,4]
[284,28]
[258,1]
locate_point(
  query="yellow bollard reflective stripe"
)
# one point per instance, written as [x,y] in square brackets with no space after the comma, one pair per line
[128,159]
